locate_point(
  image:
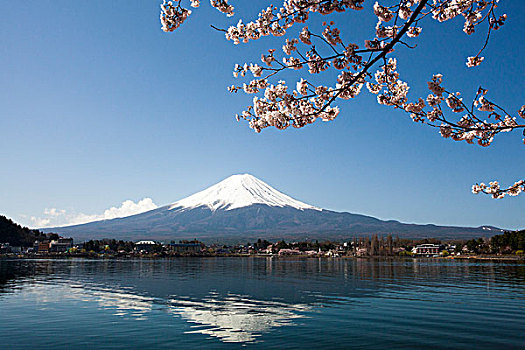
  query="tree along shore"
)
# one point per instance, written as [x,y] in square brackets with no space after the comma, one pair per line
[19,241]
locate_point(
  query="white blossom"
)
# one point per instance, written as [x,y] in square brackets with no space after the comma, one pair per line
[474,61]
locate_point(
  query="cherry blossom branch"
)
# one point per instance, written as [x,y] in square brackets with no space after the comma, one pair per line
[383,53]
[494,189]
[281,106]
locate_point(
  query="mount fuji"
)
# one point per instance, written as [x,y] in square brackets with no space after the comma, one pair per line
[243,207]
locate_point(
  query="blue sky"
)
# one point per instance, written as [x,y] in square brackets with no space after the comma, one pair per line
[99,106]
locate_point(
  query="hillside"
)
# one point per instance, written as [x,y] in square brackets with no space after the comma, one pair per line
[16,235]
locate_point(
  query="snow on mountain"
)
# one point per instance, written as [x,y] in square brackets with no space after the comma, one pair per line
[239,191]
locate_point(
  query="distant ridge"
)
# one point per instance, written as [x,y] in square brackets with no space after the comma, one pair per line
[243,207]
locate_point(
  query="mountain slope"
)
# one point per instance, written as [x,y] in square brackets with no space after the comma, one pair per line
[242,206]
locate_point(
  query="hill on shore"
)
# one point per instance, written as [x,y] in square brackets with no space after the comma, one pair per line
[17,235]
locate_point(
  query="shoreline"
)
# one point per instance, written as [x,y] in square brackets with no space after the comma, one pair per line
[257,256]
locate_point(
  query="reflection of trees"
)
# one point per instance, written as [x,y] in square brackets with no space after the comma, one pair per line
[291,280]
[14,271]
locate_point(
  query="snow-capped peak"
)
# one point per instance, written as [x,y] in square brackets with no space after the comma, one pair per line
[238,191]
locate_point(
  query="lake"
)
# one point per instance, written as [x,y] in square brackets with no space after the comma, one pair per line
[188,303]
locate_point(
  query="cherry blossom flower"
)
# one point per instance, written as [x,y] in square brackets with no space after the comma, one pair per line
[172,16]
[222,6]
[474,61]
[305,36]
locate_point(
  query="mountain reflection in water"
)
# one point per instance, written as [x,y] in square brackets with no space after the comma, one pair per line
[186,303]
[235,319]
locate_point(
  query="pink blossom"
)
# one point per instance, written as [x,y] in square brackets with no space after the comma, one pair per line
[474,61]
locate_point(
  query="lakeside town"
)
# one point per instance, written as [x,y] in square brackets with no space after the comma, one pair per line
[22,242]
[507,245]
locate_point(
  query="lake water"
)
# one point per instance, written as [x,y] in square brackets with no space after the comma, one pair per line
[261,303]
